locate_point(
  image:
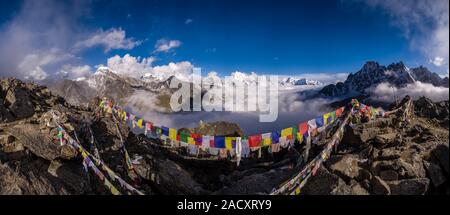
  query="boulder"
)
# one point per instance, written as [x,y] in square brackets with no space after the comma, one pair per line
[256,183]
[441,153]
[173,179]
[19,103]
[41,144]
[403,169]
[389,175]
[29,180]
[426,108]
[357,189]
[345,166]
[388,154]
[380,187]
[385,139]
[5,115]
[358,136]
[324,183]
[416,186]
[435,174]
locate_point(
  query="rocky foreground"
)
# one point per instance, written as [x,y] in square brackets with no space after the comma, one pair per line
[379,157]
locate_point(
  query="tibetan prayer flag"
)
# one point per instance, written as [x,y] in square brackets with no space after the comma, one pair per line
[219,142]
[374,113]
[297,190]
[287,132]
[206,141]
[299,137]
[172,134]
[319,121]
[191,141]
[275,137]
[229,142]
[158,130]
[333,116]
[312,124]
[294,131]
[165,131]
[140,123]
[339,112]
[197,139]
[326,118]
[184,136]
[254,141]
[124,115]
[303,127]
[266,139]
[148,126]
[211,141]
[113,190]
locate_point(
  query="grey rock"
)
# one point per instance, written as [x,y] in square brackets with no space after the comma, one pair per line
[389,175]
[345,166]
[380,187]
[416,186]
[435,174]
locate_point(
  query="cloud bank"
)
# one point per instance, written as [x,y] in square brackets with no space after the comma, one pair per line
[385,92]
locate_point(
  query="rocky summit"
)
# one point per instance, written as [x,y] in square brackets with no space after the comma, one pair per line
[385,156]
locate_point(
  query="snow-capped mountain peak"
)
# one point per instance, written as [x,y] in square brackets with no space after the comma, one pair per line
[372,73]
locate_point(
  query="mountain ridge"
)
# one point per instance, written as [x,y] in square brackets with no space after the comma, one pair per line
[372,73]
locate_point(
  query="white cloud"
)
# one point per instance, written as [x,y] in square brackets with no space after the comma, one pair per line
[36,41]
[76,72]
[181,70]
[130,66]
[113,38]
[188,21]
[424,23]
[32,66]
[165,45]
[137,67]
[438,61]
[385,92]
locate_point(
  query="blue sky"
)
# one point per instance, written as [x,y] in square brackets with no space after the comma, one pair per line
[272,37]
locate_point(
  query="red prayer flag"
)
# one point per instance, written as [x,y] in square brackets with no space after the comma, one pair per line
[303,128]
[339,112]
[211,142]
[254,141]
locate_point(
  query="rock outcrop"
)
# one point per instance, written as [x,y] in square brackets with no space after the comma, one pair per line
[389,160]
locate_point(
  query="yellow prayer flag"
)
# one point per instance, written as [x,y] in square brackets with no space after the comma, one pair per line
[124,115]
[140,122]
[286,132]
[172,134]
[229,142]
[297,190]
[299,137]
[113,190]
[191,140]
[325,118]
